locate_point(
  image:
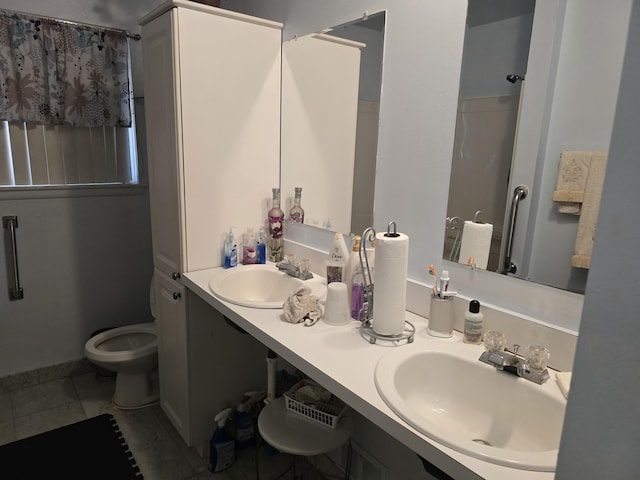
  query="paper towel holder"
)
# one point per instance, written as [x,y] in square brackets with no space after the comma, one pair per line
[368,333]
[477,218]
[389,232]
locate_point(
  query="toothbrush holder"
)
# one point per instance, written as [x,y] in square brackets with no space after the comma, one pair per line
[440,317]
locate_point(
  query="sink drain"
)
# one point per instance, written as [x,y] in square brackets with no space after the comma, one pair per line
[483,442]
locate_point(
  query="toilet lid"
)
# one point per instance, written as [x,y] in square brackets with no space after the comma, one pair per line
[128,341]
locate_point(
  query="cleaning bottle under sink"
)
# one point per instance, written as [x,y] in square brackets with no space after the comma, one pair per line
[222,448]
[243,421]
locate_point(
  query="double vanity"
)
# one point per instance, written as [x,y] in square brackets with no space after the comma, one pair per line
[434,395]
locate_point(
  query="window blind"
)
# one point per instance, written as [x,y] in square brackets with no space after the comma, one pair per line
[37,155]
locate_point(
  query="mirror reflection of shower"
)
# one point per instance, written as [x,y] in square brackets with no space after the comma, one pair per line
[496,45]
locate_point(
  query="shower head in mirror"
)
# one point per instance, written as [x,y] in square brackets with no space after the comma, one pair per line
[514,78]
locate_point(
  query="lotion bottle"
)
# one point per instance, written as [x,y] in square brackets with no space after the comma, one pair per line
[337,261]
[473,323]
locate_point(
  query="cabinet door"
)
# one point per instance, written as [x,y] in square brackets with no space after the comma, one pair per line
[230,107]
[171,321]
[161,109]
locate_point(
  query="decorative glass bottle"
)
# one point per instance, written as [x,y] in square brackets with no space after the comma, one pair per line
[296,214]
[276,221]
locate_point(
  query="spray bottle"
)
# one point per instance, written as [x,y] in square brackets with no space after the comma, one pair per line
[222,448]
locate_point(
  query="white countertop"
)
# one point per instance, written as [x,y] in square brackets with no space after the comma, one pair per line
[341,360]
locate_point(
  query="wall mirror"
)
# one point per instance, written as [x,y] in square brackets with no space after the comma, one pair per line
[331,86]
[527,93]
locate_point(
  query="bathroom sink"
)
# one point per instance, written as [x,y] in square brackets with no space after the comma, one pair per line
[448,395]
[260,286]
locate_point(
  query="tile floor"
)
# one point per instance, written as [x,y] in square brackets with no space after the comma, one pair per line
[157,447]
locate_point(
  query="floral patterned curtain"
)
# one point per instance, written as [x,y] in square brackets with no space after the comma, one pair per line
[60,73]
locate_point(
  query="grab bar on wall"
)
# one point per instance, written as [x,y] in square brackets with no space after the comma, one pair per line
[519,193]
[10,222]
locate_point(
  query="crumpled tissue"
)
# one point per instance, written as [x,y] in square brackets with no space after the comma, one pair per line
[301,306]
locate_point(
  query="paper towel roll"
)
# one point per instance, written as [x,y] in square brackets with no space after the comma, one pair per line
[390,288]
[476,242]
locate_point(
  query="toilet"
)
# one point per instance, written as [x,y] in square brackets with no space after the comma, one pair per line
[132,352]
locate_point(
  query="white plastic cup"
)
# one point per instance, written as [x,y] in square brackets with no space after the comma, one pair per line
[336,310]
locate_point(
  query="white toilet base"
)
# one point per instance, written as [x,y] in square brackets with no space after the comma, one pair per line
[135,390]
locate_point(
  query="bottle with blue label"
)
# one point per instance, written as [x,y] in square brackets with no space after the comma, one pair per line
[262,246]
[222,448]
[230,251]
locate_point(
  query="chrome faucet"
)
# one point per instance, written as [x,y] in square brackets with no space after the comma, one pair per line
[295,269]
[514,364]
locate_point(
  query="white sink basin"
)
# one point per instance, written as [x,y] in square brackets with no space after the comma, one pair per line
[451,397]
[260,286]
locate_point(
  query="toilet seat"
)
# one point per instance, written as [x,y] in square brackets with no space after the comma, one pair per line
[123,343]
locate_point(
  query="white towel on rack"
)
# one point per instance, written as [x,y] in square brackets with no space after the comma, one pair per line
[589,212]
[571,181]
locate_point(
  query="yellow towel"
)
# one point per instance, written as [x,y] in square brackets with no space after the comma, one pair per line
[571,180]
[589,212]
[564,382]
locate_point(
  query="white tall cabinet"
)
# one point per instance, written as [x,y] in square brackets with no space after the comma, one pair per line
[212,104]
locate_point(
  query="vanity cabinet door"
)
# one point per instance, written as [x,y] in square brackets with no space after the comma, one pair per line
[173,366]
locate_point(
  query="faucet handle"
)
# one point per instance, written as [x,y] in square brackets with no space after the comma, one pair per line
[516,347]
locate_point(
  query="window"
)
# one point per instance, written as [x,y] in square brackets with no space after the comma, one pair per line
[66,108]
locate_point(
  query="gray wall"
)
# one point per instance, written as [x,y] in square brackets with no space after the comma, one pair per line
[601,438]
[491,52]
[85,258]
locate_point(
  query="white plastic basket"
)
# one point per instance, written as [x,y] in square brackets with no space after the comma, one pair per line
[328,414]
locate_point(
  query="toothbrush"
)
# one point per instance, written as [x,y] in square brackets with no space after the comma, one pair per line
[432,272]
